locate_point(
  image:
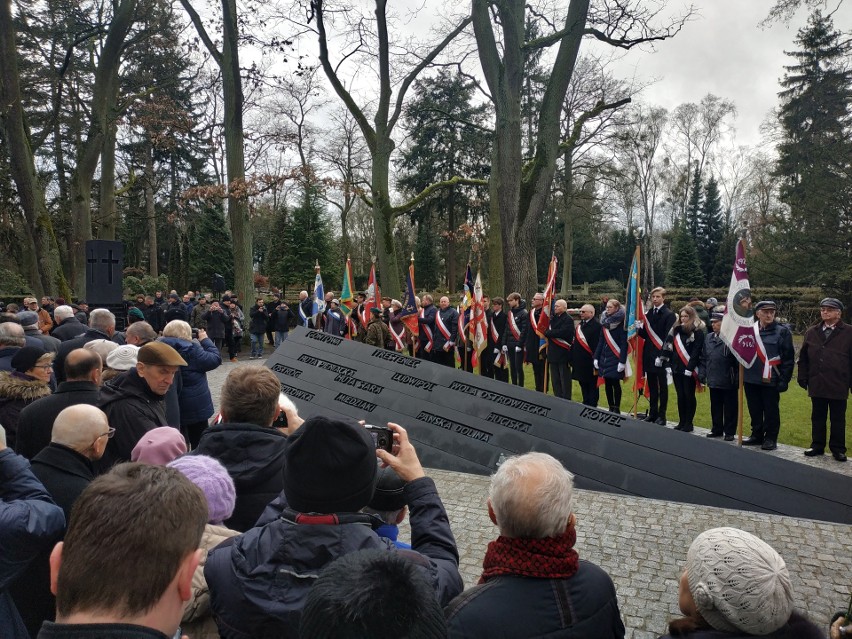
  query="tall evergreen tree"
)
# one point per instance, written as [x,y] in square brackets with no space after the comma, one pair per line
[306,240]
[724,261]
[815,156]
[210,250]
[710,228]
[693,207]
[684,269]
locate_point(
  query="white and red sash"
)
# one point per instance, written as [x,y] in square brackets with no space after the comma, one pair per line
[448,336]
[563,343]
[655,339]
[495,336]
[535,323]
[353,327]
[462,327]
[768,362]
[513,326]
[683,355]
[579,336]
[616,350]
[428,331]
[399,342]
[500,359]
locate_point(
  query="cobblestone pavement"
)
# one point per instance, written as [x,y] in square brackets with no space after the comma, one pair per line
[642,543]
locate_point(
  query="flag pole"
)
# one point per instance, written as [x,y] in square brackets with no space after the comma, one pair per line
[636,350]
[740,408]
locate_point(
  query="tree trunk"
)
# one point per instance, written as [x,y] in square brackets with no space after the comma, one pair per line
[568,223]
[383,218]
[104,96]
[22,165]
[108,215]
[151,212]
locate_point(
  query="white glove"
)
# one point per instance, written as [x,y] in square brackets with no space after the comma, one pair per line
[658,362]
[496,351]
[505,349]
[446,346]
[595,364]
[620,367]
[687,373]
[518,349]
[639,324]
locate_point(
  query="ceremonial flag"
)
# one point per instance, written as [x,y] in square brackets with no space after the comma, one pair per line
[408,314]
[480,324]
[738,323]
[347,300]
[635,312]
[373,294]
[467,301]
[318,305]
[549,293]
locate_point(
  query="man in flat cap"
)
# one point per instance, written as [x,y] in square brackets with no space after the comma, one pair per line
[133,401]
[768,377]
[825,371]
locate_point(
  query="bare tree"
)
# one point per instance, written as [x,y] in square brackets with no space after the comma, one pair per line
[518,189]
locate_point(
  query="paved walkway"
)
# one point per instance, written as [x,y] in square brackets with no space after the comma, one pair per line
[642,543]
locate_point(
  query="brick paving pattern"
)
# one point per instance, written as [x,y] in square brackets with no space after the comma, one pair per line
[642,543]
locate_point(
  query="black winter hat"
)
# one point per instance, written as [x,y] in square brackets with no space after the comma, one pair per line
[329,467]
[26,358]
[389,491]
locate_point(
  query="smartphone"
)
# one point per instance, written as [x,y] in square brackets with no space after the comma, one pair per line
[382,437]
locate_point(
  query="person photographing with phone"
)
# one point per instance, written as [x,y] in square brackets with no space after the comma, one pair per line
[260,580]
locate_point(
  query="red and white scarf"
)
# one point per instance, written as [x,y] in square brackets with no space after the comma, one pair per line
[768,362]
[448,336]
[683,355]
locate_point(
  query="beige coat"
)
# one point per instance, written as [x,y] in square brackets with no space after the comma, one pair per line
[197,622]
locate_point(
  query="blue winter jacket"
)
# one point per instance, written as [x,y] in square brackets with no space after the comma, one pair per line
[30,522]
[196,404]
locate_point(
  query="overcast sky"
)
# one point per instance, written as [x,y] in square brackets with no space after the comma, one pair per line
[723,51]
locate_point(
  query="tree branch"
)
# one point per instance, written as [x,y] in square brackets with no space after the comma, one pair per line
[628,43]
[600,107]
[202,32]
[433,188]
[406,83]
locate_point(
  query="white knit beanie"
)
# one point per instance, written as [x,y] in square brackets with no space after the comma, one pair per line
[738,582]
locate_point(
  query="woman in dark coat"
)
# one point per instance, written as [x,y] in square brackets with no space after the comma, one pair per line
[682,353]
[722,374]
[216,321]
[736,586]
[27,382]
[196,404]
[611,353]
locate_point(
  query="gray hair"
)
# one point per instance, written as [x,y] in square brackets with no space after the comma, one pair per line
[101,319]
[141,330]
[12,334]
[532,496]
[179,329]
[62,313]
[78,426]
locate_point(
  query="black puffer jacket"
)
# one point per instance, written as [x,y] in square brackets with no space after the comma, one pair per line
[254,457]
[259,582]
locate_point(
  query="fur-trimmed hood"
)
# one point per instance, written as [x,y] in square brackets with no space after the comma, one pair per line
[16,386]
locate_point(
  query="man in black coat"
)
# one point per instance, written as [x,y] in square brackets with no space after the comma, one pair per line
[250,440]
[175,310]
[101,326]
[496,330]
[426,334]
[81,386]
[659,321]
[514,337]
[446,333]
[533,342]
[560,337]
[79,437]
[586,337]
[154,314]
[133,401]
[67,325]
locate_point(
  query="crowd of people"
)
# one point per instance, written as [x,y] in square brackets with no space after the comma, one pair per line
[123,514]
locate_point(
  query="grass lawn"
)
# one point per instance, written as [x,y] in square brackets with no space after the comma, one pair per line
[795,409]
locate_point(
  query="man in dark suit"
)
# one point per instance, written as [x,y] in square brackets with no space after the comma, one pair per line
[535,355]
[496,330]
[560,337]
[515,336]
[586,337]
[660,320]
[81,386]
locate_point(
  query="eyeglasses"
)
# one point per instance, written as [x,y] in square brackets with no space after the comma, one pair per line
[107,434]
[43,366]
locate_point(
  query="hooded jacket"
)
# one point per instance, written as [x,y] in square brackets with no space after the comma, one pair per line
[132,409]
[259,581]
[16,392]
[254,458]
[196,404]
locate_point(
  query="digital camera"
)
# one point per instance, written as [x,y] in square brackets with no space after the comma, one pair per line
[382,437]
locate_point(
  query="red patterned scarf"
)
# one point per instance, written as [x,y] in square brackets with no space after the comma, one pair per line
[548,558]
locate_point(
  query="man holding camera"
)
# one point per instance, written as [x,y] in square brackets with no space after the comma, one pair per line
[259,581]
